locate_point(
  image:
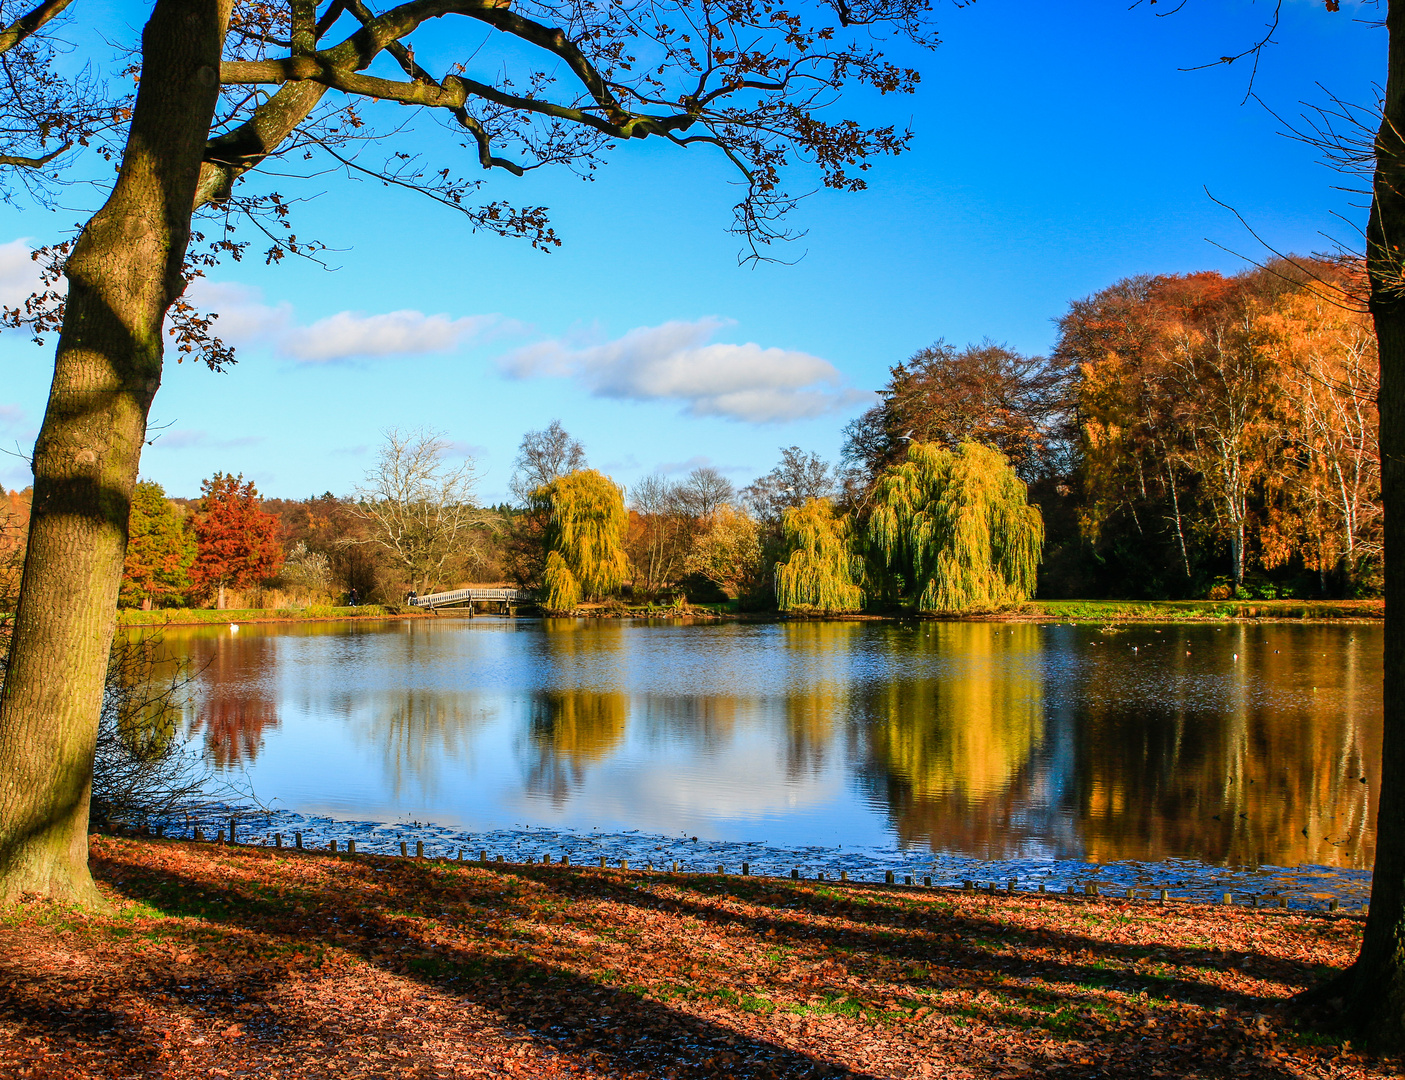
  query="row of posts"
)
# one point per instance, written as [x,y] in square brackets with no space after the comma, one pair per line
[969,887]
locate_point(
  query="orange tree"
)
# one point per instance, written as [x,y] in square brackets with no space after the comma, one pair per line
[224,88]
[236,540]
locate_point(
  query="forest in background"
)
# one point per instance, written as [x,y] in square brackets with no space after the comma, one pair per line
[1189,436]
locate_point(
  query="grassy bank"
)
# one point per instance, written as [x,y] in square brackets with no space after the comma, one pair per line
[1076,611]
[1200,610]
[246,961]
[202,616]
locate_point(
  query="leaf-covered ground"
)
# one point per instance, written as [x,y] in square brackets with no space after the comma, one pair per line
[249,962]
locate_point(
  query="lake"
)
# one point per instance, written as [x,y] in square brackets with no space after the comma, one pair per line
[1233,745]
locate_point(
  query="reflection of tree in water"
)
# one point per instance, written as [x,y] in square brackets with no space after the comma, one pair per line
[954,753]
[571,730]
[706,722]
[233,709]
[819,658]
[1260,782]
[416,732]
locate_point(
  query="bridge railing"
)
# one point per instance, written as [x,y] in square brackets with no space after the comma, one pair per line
[464,596]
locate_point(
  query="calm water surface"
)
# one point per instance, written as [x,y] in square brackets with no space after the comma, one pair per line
[1240,744]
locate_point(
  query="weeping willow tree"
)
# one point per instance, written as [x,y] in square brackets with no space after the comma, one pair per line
[584,538]
[822,569]
[955,528]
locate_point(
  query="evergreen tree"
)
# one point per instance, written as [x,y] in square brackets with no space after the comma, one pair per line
[954,529]
[584,532]
[160,549]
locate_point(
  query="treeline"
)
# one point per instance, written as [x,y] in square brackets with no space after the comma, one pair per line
[1189,436]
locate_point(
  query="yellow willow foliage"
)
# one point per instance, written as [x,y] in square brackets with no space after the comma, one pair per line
[972,733]
[822,568]
[579,725]
[956,526]
[585,532]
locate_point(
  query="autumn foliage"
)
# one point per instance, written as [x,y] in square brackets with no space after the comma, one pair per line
[237,542]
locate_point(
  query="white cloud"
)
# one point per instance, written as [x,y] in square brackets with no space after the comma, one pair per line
[676,362]
[244,319]
[196,439]
[19,274]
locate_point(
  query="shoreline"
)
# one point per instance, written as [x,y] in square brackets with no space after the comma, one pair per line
[1303,888]
[1074,612]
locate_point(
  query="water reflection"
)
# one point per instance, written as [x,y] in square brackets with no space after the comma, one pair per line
[235,707]
[1243,744]
[570,730]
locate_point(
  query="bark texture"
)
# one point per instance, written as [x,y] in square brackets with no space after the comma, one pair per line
[1375,986]
[123,275]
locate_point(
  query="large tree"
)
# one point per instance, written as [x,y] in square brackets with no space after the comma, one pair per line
[1374,988]
[558,82]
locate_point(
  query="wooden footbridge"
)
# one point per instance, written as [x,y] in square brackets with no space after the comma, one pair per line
[507,601]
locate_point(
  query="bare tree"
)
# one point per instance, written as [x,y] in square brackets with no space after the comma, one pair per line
[704,491]
[798,478]
[542,457]
[660,537]
[418,508]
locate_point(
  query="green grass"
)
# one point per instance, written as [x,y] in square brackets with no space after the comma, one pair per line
[188,616]
[1172,610]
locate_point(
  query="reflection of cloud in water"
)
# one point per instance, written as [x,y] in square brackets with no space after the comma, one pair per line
[747,782]
[417,734]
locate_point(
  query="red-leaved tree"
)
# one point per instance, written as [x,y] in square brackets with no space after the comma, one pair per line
[236,539]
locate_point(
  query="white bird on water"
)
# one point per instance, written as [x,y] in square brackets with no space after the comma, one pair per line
[234,628]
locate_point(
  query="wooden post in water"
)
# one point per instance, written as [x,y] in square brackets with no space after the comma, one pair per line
[675,866]
[843,875]
[419,849]
[887,877]
[624,864]
[746,869]
[795,875]
[483,855]
[350,847]
[197,834]
[278,840]
[602,862]
[298,837]
[404,852]
[232,840]
[331,845]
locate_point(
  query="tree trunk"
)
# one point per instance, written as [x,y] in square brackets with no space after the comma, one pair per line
[1374,988]
[122,276]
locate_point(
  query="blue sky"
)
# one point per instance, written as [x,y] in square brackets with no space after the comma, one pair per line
[1057,148]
